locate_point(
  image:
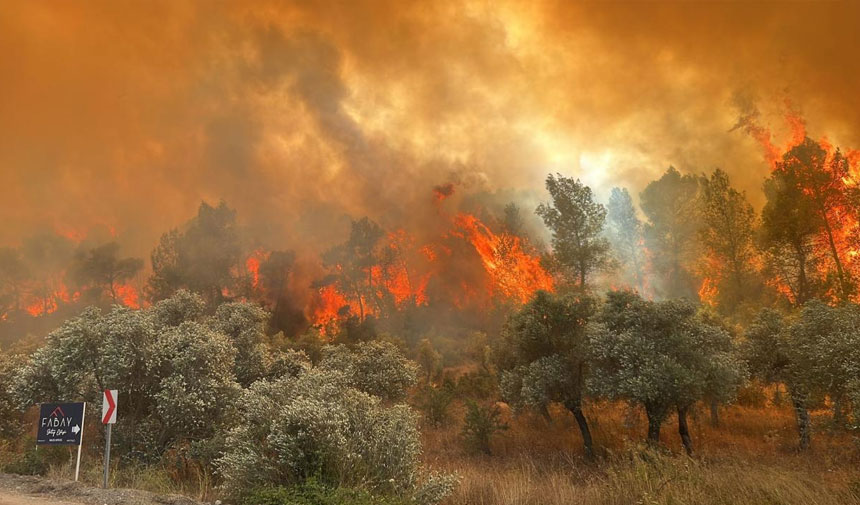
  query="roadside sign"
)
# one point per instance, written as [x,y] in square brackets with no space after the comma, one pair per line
[109,406]
[60,424]
[109,401]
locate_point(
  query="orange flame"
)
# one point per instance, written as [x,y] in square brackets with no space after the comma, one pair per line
[515,273]
[41,305]
[328,306]
[252,265]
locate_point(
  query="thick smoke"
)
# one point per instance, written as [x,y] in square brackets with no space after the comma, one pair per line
[118,119]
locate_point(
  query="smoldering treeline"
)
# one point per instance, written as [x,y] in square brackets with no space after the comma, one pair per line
[303,116]
[690,236]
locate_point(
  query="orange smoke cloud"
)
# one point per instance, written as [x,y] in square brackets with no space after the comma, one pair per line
[298,114]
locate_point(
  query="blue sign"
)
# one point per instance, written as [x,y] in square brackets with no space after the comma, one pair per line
[60,424]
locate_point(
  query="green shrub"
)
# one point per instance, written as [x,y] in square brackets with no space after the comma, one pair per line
[316,425]
[35,462]
[434,402]
[479,385]
[752,395]
[481,423]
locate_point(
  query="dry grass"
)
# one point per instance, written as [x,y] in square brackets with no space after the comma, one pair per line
[749,459]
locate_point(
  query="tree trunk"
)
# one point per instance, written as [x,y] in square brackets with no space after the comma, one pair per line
[587,443]
[801,281]
[838,411]
[843,289]
[654,422]
[803,428]
[715,413]
[684,431]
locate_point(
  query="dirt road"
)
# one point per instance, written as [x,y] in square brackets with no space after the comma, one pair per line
[7,498]
[29,490]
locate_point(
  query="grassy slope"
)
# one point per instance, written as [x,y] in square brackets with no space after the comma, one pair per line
[750,459]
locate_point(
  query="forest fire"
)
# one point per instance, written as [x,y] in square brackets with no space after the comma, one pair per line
[823,179]
[328,305]
[48,302]
[445,252]
[515,273]
[511,273]
[127,295]
[252,266]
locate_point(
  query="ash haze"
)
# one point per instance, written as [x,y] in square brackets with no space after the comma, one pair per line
[118,118]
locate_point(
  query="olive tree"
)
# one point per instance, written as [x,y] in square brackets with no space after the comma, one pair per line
[542,356]
[814,353]
[828,343]
[662,355]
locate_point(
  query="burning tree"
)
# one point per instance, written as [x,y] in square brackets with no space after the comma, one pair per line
[101,271]
[808,218]
[352,263]
[13,281]
[48,255]
[727,236]
[203,257]
[273,278]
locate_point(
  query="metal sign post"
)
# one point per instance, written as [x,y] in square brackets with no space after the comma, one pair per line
[62,424]
[108,418]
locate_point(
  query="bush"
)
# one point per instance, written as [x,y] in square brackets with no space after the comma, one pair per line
[481,423]
[376,368]
[479,385]
[10,416]
[176,369]
[434,402]
[430,360]
[752,395]
[36,462]
[317,425]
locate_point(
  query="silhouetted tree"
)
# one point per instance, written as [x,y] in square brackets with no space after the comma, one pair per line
[670,204]
[576,222]
[275,272]
[625,234]
[203,257]
[807,204]
[100,270]
[13,280]
[353,260]
[789,228]
[727,233]
[47,255]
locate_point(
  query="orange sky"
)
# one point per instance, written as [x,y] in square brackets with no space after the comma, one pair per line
[124,115]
